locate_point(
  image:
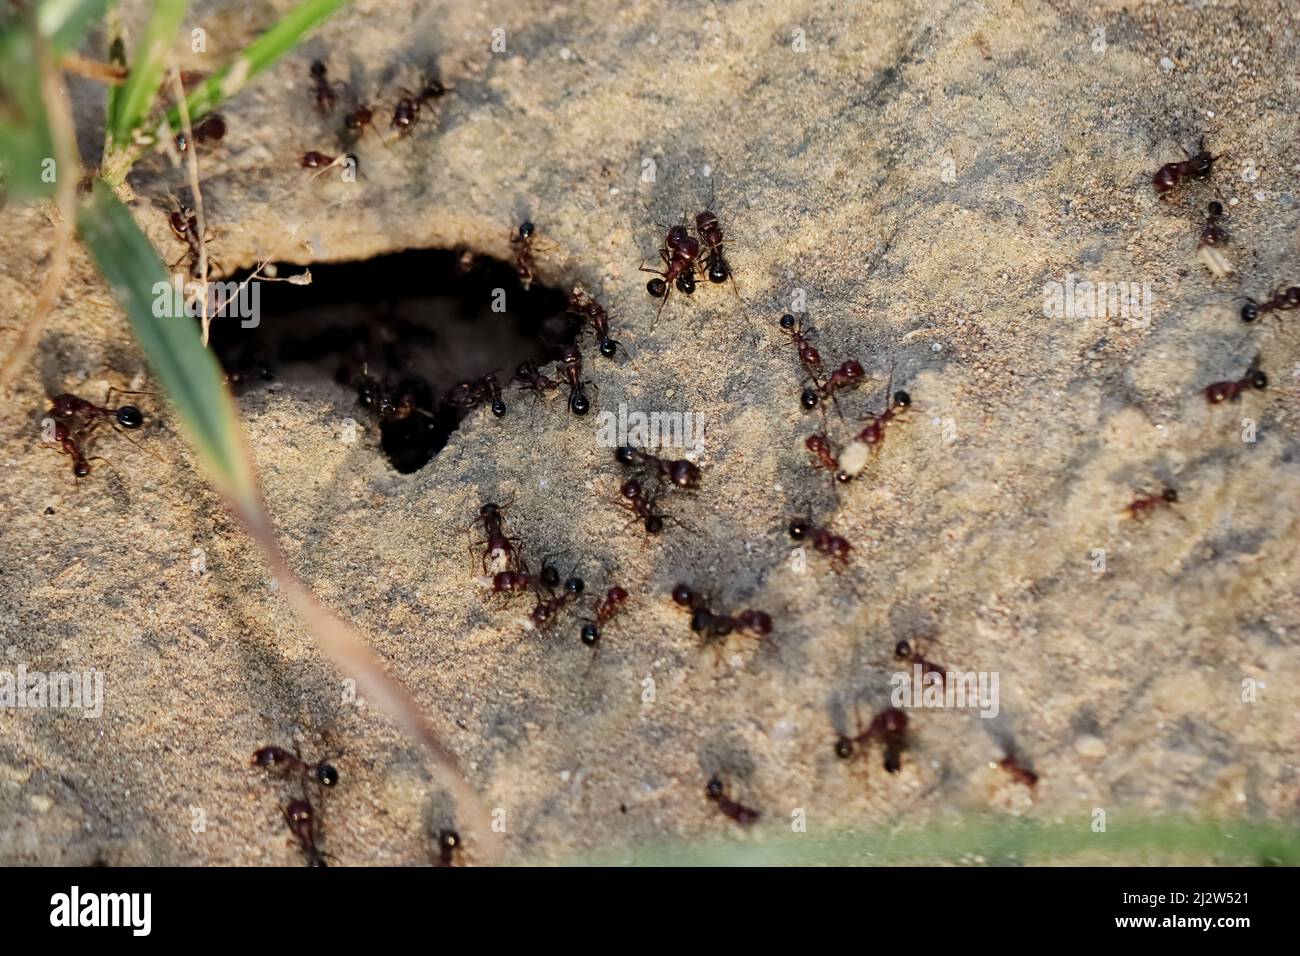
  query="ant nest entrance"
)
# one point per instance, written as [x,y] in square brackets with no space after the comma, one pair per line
[418,339]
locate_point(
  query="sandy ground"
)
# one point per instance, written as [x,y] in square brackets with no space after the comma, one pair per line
[916,174]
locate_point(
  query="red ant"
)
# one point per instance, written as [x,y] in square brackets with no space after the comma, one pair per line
[64,407]
[1013,765]
[389,404]
[846,376]
[68,446]
[315,160]
[571,369]
[210,130]
[680,254]
[523,242]
[496,541]
[407,112]
[682,473]
[890,727]
[826,457]
[809,358]
[583,304]
[742,814]
[467,395]
[543,615]
[326,98]
[719,625]
[1232,391]
[706,224]
[302,824]
[356,121]
[606,608]
[634,498]
[279,760]
[854,458]
[448,845]
[504,582]
[822,539]
[185,226]
[905,652]
[1279,301]
[1200,166]
[1144,504]
[531,378]
[1213,233]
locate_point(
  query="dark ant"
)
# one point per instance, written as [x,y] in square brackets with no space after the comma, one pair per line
[492,389]
[1213,233]
[1232,391]
[531,378]
[1200,166]
[525,264]
[66,406]
[606,608]
[571,369]
[389,404]
[890,727]
[809,358]
[68,445]
[448,845]
[742,814]
[717,626]
[905,652]
[314,160]
[504,582]
[185,226]
[326,98]
[583,304]
[1279,301]
[302,824]
[407,112]
[544,614]
[823,540]
[1013,765]
[682,473]
[467,395]
[634,498]
[1144,504]
[680,254]
[496,540]
[279,760]
[208,131]
[717,269]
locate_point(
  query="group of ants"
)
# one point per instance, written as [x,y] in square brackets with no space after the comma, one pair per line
[685,258]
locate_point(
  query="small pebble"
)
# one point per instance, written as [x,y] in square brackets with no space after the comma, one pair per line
[40,803]
[1166,64]
[1093,748]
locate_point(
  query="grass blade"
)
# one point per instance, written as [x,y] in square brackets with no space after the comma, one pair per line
[152,54]
[66,22]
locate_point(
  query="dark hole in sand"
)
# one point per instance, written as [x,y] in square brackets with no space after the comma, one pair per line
[415,324]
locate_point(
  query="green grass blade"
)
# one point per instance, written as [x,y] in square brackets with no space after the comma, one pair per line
[257,56]
[66,22]
[25,144]
[150,60]
[188,372]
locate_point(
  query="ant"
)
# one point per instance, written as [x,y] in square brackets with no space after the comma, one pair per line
[531,378]
[356,121]
[606,608]
[680,254]
[742,814]
[1232,391]
[719,625]
[448,844]
[571,369]
[809,357]
[822,539]
[302,824]
[583,304]
[634,498]
[68,446]
[210,130]
[492,388]
[1144,504]
[846,376]
[407,112]
[64,407]
[682,473]
[497,542]
[1013,765]
[315,160]
[1200,166]
[1213,233]
[1279,301]
[522,242]
[185,226]
[543,615]
[506,581]
[824,452]
[281,761]
[890,726]
[326,98]
[706,224]
[905,652]
[854,457]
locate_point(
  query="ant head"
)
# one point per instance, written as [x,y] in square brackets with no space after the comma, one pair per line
[902,650]
[654,524]
[1169,495]
[701,619]
[787,321]
[683,595]
[902,399]
[658,288]
[631,489]
[327,775]
[1249,311]
[489,510]
[893,720]
[526,230]
[318,68]
[715,788]
[677,236]
[550,576]
[1258,379]
[299,811]
[852,369]
[625,455]
[608,347]
[799,529]
[1293,296]
[1215,208]
[590,634]
[685,474]
[128,416]
[843,747]
[575,585]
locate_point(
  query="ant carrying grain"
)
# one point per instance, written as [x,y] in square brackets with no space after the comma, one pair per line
[449,845]
[823,540]
[316,160]
[825,456]
[302,824]
[1232,391]
[1170,175]
[279,760]
[682,473]
[499,546]
[1213,237]
[1144,504]
[854,457]
[680,254]
[1282,300]
[889,727]
[742,814]
[606,608]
